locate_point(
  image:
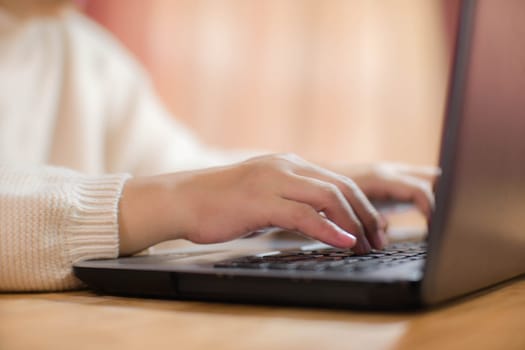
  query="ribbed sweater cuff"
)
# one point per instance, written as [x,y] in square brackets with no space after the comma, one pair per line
[92,226]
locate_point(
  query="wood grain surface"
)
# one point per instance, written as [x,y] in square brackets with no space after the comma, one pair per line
[83,320]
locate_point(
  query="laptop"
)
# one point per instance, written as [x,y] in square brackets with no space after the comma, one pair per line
[476,236]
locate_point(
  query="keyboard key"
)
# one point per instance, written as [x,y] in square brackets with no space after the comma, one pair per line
[329,259]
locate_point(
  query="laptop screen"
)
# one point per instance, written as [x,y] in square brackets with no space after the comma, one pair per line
[477,236]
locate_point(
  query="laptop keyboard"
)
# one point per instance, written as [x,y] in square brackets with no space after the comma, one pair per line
[330,259]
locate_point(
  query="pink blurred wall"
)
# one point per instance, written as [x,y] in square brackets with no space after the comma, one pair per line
[360,80]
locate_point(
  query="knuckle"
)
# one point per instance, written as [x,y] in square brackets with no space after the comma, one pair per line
[349,185]
[281,162]
[286,157]
[331,193]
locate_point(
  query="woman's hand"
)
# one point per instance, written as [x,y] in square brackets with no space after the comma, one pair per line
[395,182]
[220,204]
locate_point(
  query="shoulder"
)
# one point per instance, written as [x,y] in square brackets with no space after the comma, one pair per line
[99,50]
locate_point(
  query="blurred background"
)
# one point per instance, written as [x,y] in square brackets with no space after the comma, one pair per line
[335,80]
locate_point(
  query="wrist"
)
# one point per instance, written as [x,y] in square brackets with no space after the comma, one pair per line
[145,215]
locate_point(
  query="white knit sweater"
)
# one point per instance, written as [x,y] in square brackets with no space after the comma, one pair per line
[77,115]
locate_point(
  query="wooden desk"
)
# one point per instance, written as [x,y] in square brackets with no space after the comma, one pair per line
[82,320]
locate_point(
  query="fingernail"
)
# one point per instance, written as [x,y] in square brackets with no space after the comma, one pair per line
[349,238]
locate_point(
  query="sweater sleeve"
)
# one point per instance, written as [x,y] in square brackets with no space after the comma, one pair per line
[51,218]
